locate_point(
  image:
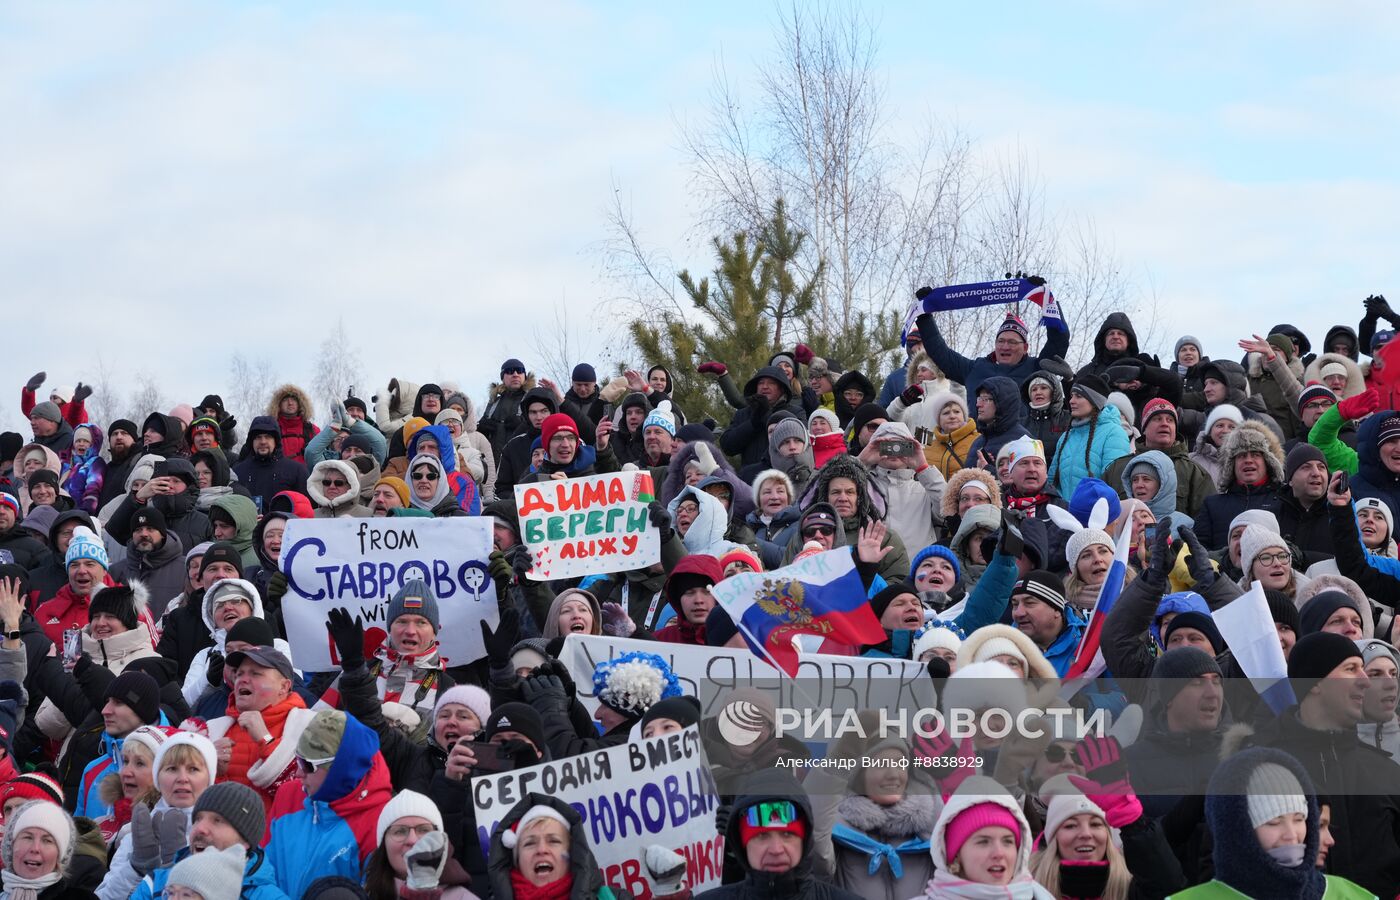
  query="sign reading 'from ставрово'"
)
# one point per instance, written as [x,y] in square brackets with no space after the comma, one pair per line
[589,525]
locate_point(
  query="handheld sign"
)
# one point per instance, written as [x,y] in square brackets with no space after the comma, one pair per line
[589,525]
[657,791]
[361,563]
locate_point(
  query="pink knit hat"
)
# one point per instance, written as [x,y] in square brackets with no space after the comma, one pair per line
[970,820]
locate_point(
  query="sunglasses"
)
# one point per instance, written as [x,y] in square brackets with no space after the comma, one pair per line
[425,476]
[818,531]
[512,371]
[338,482]
[1055,753]
[309,766]
[765,815]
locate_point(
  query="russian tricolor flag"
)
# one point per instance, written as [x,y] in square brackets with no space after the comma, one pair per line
[1088,662]
[821,595]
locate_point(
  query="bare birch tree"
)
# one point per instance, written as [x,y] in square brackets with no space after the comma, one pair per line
[338,366]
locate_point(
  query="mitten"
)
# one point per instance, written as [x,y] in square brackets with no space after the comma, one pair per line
[1360,406]
[665,868]
[36,381]
[912,394]
[716,369]
[425,861]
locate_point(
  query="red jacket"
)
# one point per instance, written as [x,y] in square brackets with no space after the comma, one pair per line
[74,413]
[682,632]
[296,432]
[68,610]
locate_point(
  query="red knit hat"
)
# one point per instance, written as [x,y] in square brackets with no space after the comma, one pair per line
[32,786]
[974,818]
[741,554]
[552,425]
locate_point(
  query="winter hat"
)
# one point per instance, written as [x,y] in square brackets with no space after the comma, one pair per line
[10,499]
[1183,341]
[719,627]
[509,836]
[43,476]
[1389,429]
[974,818]
[221,551]
[1315,656]
[153,737]
[1044,378]
[139,691]
[1158,406]
[685,710]
[1065,802]
[252,630]
[1377,504]
[512,364]
[468,695]
[32,786]
[793,428]
[1174,669]
[822,412]
[1316,611]
[531,653]
[409,803]
[1119,401]
[398,484]
[335,887]
[85,545]
[120,600]
[1255,540]
[1261,517]
[662,417]
[1091,388]
[40,520]
[1042,585]
[1022,448]
[214,874]
[584,372]
[414,598]
[699,570]
[1315,391]
[882,600]
[741,554]
[1087,493]
[867,413]
[941,552]
[1282,609]
[1081,540]
[520,718]
[1273,791]
[51,818]
[1199,621]
[1374,648]
[47,410]
[1014,324]
[937,635]
[322,736]
[177,738]
[1224,411]
[1300,455]
[631,683]
[797,826]
[125,425]
[239,805]
[149,517]
[555,423]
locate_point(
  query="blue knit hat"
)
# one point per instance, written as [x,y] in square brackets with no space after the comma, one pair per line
[414,599]
[86,545]
[632,682]
[940,551]
[1087,493]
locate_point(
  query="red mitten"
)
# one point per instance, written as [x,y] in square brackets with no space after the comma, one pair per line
[716,369]
[1360,406]
[803,354]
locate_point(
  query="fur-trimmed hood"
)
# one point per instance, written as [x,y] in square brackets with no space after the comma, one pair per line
[911,371]
[1250,436]
[497,388]
[1037,666]
[914,814]
[1356,382]
[307,410]
[949,504]
[975,790]
[317,493]
[870,504]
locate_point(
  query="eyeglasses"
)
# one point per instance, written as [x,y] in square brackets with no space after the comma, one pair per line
[425,476]
[1268,559]
[766,815]
[401,832]
[818,531]
[1319,404]
[334,482]
[1010,344]
[309,766]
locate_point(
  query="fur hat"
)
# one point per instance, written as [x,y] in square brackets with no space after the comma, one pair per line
[124,601]
[959,480]
[1250,436]
[629,684]
[995,640]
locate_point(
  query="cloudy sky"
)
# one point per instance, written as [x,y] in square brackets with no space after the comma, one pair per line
[182,181]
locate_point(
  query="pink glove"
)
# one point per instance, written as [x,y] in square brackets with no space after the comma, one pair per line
[1360,406]
[1119,804]
[716,369]
[949,766]
[803,354]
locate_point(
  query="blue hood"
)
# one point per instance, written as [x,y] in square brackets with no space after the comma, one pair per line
[1006,394]
[353,758]
[1183,601]
[1163,503]
[445,452]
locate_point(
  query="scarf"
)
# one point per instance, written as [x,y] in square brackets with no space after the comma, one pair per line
[879,852]
[18,888]
[1022,887]
[414,674]
[556,890]
[1026,504]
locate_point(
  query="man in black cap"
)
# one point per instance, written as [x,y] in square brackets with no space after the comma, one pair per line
[503,409]
[154,556]
[1302,509]
[1039,611]
[1328,676]
[1180,741]
[213,406]
[132,700]
[123,449]
[583,392]
[263,698]
[225,815]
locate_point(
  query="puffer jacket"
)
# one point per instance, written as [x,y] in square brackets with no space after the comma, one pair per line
[588,881]
[86,474]
[259,880]
[1164,502]
[348,503]
[1088,448]
[1372,478]
[1005,425]
[1236,381]
[973,372]
[1047,425]
[1219,510]
[298,430]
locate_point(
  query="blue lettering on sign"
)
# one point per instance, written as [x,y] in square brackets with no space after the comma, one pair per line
[367,580]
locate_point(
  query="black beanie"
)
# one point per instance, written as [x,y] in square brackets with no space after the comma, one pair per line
[359,442]
[719,627]
[119,600]
[149,516]
[221,516]
[356,403]
[1300,454]
[1315,656]
[1199,621]
[1175,668]
[1282,610]
[1320,608]
[867,413]
[1044,586]
[252,630]
[138,691]
[212,401]
[685,710]
[20,575]
[881,601]
[126,425]
[43,476]
[10,444]
[221,551]
[520,717]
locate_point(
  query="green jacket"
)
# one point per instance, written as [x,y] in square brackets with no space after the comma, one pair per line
[1324,437]
[1337,889]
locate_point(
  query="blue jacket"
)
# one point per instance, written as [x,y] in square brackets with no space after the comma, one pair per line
[90,802]
[1108,443]
[972,372]
[1061,653]
[318,449]
[259,880]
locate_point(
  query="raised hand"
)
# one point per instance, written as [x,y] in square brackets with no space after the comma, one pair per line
[870,547]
